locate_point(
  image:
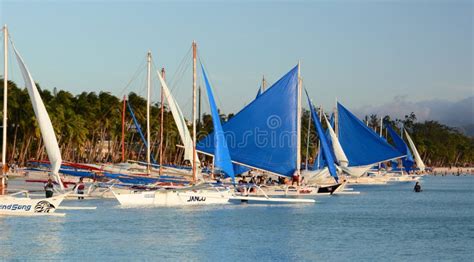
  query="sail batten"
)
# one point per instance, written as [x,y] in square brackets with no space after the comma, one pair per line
[44,122]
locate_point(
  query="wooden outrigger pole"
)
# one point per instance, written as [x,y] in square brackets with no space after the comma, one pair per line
[148,131]
[162,122]
[194,112]
[5,94]
[123,127]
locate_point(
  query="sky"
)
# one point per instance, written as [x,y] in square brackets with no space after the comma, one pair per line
[367,54]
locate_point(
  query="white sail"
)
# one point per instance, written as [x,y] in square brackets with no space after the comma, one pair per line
[418,160]
[42,117]
[356,171]
[180,122]
[336,146]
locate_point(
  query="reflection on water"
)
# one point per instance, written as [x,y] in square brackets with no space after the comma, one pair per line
[383,222]
[47,240]
[5,236]
[31,237]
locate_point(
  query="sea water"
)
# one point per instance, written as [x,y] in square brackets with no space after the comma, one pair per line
[388,222]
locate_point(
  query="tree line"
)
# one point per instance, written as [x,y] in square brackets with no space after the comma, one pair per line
[88,127]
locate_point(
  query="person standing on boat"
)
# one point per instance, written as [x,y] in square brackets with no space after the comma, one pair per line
[417,188]
[49,188]
[80,188]
[295,179]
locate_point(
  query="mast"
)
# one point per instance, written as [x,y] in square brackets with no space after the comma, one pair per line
[307,140]
[401,130]
[199,105]
[161,121]
[194,111]
[381,135]
[123,128]
[298,127]
[148,94]
[5,93]
[381,126]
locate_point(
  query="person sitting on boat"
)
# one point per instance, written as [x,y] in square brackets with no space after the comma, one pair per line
[417,187]
[242,185]
[281,180]
[252,180]
[49,188]
[79,187]
[269,181]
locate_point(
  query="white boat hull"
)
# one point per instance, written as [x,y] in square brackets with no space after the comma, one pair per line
[23,206]
[173,198]
[196,198]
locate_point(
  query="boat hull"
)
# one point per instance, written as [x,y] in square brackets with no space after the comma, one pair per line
[173,198]
[10,205]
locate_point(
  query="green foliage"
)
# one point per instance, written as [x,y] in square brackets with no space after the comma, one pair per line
[88,126]
[438,144]
[89,129]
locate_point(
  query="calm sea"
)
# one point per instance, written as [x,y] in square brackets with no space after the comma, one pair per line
[382,223]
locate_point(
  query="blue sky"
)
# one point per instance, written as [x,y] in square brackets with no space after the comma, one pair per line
[365,53]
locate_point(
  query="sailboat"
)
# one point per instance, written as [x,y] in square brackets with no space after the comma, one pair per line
[407,161]
[14,204]
[329,155]
[202,193]
[265,136]
[223,161]
[401,146]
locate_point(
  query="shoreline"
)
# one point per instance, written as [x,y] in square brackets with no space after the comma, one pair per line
[453,170]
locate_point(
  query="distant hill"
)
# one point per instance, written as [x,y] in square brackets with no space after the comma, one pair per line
[458,114]
[467,130]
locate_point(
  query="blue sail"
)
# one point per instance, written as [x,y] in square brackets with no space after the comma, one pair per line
[320,163]
[394,164]
[222,160]
[239,169]
[263,134]
[137,125]
[361,144]
[324,143]
[402,147]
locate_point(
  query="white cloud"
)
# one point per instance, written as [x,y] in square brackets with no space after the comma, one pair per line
[453,113]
